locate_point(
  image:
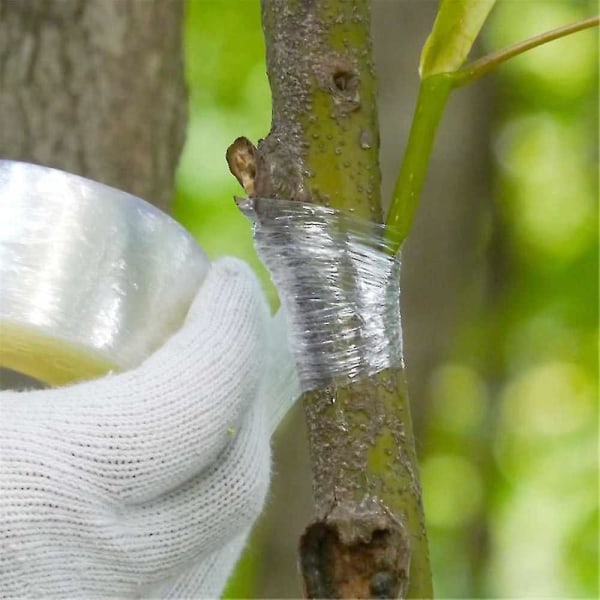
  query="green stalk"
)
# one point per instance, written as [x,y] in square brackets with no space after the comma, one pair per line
[481,66]
[433,96]
[431,102]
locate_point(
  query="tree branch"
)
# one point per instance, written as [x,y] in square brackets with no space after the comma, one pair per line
[478,68]
[368,538]
[433,95]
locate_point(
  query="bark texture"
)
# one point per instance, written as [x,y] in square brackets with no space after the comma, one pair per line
[95,87]
[368,539]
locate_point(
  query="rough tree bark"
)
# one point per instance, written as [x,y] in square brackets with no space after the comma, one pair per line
[368,539]
[95,87]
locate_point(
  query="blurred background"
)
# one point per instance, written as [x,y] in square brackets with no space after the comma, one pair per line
[499,292]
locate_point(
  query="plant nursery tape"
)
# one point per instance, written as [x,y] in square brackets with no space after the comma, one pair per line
[92,279]
[338,280]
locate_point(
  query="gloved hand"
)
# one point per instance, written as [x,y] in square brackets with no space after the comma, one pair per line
[146,483]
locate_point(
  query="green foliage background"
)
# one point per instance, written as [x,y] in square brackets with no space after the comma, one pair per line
[510,473]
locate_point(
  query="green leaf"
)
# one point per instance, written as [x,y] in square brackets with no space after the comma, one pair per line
[456,26]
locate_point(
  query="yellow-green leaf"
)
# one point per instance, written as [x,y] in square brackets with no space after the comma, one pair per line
[456,26]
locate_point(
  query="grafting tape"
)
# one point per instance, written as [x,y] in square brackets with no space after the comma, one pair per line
[338,281]
[91,278]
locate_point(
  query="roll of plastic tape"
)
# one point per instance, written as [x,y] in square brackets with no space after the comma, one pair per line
[92,279]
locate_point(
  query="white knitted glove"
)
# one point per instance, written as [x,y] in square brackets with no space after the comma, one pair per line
[145,484]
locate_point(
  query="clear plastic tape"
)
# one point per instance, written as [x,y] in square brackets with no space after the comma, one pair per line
[338,281]
[281,385]
[87,271]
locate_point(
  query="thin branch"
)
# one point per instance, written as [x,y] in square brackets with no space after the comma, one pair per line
[431,102]
[433,95]
[481,66]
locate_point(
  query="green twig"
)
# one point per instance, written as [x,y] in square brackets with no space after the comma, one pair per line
[431,102]
[433,95]
[481,66]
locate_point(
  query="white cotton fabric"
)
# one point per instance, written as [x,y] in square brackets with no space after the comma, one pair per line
[145,484]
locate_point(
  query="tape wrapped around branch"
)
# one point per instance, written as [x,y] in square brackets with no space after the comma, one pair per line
[338,281]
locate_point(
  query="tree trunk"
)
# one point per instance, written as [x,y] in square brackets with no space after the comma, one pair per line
[88,86]
[368,538]
[95,87]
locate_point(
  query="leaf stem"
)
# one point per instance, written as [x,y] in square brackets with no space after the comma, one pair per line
[481,66]
[431,102]
[433,94]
